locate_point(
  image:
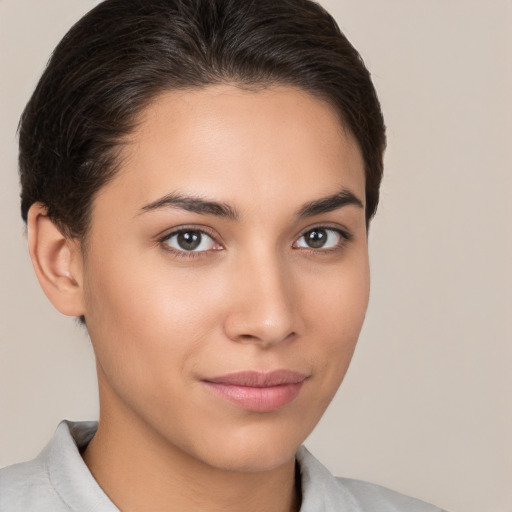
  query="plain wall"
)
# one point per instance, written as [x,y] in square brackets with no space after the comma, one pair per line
[425,408]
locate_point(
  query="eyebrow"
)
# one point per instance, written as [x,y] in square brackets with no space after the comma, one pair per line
[206,207]
[329,204]
[193,204]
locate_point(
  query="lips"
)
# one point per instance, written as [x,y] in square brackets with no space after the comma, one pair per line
[258,391]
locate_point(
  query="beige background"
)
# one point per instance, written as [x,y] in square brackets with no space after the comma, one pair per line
[426,406]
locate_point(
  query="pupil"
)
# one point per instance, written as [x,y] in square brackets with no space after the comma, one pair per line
[316,238]
[189,240]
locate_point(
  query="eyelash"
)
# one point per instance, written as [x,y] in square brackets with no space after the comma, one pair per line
[345,237]
[182,253]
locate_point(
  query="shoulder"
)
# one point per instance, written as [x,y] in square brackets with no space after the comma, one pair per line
[367,495]
[57,480]
[26,486]
[322,492]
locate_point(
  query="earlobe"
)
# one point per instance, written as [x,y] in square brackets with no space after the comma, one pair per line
[57,262]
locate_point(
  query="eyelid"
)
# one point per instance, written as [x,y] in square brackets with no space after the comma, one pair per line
[345,237]
[169,233]
[342,230]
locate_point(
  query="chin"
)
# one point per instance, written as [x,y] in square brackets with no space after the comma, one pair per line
[251,461]
[253,450]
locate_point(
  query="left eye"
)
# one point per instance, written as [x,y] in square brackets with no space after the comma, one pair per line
[190,240]
[319,238]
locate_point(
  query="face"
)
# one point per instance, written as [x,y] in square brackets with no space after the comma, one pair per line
[226,275]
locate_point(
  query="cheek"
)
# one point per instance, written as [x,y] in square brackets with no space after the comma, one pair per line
[335,316]
[340,296]
[141,317]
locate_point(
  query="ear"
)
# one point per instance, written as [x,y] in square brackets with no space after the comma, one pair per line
[57,261]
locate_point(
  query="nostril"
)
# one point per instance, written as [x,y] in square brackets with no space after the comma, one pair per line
[264,339]
[247,337]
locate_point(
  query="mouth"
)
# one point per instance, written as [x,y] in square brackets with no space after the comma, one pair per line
[258,391]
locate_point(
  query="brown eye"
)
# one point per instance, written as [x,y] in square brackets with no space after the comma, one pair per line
[316,238]
[190,240]
[320,238]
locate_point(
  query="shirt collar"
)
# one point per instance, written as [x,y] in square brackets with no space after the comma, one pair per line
[75,484]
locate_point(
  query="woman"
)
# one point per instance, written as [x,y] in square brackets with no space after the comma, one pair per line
[198,179]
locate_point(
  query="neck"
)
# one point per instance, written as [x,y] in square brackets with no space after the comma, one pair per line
[139,470]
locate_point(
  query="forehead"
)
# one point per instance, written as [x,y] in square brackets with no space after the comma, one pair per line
[239,146]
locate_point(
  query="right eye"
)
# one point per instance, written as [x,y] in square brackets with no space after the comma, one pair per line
[190,240]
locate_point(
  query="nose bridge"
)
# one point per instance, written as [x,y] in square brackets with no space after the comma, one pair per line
[263,309]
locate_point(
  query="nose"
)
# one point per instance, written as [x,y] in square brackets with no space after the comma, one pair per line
[263,307]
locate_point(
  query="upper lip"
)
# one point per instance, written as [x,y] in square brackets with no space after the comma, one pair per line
[257,379]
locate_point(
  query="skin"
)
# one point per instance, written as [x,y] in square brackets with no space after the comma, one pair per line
[162,320]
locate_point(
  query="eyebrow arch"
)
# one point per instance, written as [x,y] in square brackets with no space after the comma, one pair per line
[219,209]
[192,204]
[329,204]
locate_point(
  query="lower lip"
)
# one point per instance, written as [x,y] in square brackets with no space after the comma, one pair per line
[254,399]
